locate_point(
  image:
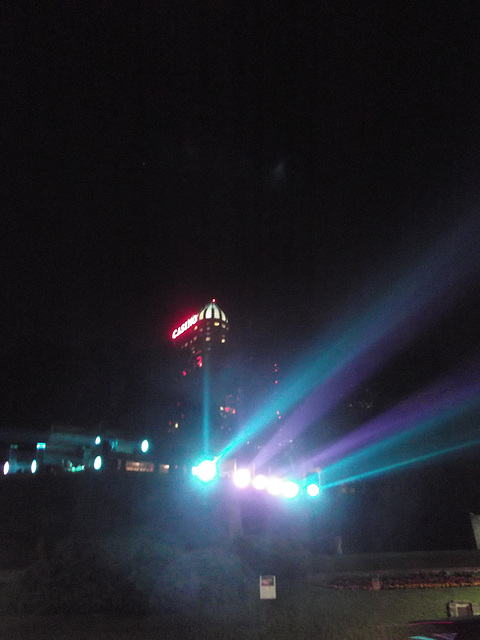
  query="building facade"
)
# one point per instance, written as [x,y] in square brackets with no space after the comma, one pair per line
[207,389]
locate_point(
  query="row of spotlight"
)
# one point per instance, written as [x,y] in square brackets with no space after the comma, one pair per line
[243,478]
[9,468]
[26,464]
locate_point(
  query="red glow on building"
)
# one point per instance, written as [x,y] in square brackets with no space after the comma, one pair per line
[184,326]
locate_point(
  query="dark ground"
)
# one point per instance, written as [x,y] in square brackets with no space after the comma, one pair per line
[425,510]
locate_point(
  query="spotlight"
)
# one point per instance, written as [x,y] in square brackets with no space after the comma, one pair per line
[144,446]
[97,463]
[260,482]
[6,468]
[313,490]
[206,471]
[33,466]
[290,489]
[274,486]
[241,478]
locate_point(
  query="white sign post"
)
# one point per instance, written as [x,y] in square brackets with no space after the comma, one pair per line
[268,588]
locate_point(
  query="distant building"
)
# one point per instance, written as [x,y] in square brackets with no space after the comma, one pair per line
[70,449]
[206,383]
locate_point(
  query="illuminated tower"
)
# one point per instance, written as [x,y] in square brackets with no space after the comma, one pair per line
[206,394]
[208,334]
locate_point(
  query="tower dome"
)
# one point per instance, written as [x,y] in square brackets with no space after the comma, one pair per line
[212,325]
[212,311]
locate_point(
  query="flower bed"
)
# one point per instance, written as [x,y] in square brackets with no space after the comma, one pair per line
[440,579]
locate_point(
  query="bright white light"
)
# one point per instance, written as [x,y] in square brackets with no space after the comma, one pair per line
[6,468]
[290,489]
[97,463]
[33,466]
[145,445]
[241,478]
[260,482]
[313,490]
[206,470]
[98,440]
[274,486]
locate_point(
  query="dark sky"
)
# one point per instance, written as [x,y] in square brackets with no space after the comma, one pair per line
[279,156]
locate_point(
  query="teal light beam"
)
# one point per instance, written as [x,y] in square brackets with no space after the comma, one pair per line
[403,463]
[424,435]
[206,407]
[456,393]
[418,297]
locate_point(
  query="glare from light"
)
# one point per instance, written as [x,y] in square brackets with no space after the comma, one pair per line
[241,478]
[6,468]
[97,463]
[33,466]
[313,490]
[274,486]
[145,445]
[206,471]
[290,489]
[260,482]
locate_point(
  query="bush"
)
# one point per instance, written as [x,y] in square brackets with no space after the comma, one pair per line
[80,577]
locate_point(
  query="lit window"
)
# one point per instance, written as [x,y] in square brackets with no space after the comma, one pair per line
[217,324]
[207,338]
[223,340]
[134,465]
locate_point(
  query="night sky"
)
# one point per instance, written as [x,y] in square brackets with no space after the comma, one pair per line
[290,159]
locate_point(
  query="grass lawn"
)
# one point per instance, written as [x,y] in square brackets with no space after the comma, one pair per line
[301,611]
[304,608]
